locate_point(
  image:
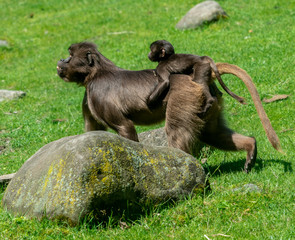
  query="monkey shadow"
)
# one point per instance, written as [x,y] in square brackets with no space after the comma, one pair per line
[238,166]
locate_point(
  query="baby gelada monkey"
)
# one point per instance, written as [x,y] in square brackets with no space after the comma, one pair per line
[163,52]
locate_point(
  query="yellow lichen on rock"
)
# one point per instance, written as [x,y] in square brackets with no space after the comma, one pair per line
[69,179]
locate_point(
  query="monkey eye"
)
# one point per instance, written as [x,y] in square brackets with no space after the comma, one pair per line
[70,51]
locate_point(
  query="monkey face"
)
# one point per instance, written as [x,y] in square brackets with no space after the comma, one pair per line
[79,64]
[160,50]
[154,54]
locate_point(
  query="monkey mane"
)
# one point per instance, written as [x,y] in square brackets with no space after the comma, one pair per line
[104,63]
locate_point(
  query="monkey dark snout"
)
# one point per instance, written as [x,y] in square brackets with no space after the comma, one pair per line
[149,55]
[60,68]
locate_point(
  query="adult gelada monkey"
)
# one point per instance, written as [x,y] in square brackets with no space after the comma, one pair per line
[117,98]
[163,52]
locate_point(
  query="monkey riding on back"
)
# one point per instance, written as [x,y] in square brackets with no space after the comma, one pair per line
[118,98]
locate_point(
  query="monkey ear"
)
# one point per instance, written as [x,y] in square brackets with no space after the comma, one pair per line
[162,54]
[89,57]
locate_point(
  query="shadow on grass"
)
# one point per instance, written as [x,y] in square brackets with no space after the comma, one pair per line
[126,213]
[238,166]
[123,215]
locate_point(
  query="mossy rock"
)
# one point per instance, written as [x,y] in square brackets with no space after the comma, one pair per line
[78,175]
[203,12]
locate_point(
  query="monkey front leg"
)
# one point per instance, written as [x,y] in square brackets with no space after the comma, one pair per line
[160,89]
[90,124]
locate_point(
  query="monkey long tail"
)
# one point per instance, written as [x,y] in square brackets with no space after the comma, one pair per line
[226,68]
[233,95]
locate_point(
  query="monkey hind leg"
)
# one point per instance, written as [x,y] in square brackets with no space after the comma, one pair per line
[179,138]
[183,129]
[202,72]
[202,76]
[208,102]
[226,139]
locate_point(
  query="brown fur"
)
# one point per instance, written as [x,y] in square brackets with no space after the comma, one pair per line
[162,51]
[185,129]
[117,98]
[202,76]
[225,68]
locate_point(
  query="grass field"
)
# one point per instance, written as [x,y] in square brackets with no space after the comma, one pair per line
[258,36]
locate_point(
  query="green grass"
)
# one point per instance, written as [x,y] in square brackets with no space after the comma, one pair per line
[258,36]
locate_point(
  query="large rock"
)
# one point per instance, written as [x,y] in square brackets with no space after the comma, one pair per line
[9,95]
[156,137]
[78,175]
[203,12]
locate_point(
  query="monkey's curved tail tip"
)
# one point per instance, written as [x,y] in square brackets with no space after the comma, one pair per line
[273,137]
[243,101]
[226,68]
[270,132]
[280,150]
